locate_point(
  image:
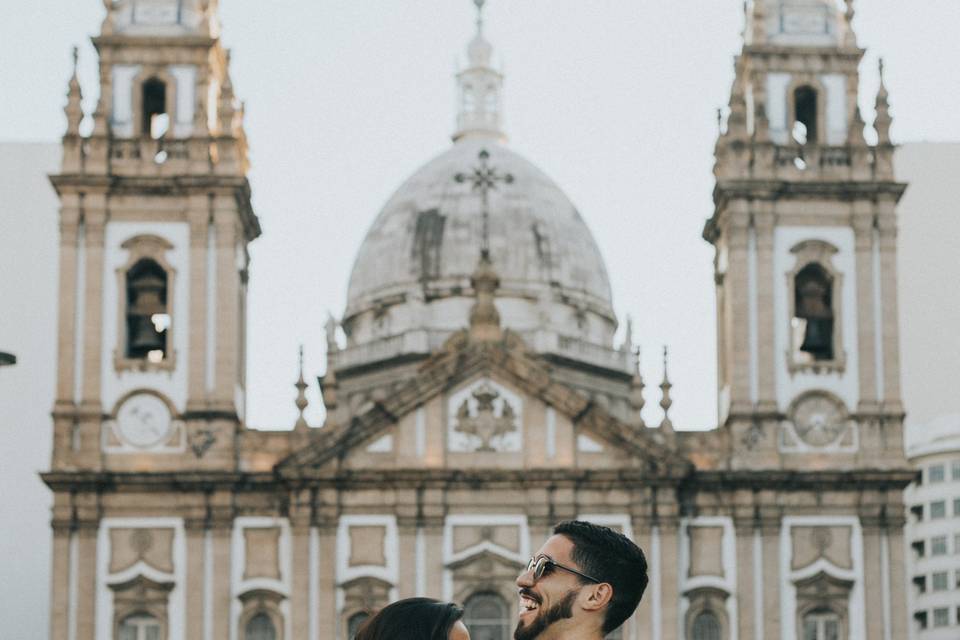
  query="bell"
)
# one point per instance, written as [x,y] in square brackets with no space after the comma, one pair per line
[147,295]
[145,337]
[818,338]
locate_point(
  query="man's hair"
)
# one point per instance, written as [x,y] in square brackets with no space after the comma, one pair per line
[611,557]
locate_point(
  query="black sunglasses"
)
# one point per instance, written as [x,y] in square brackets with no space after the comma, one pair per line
[542,564]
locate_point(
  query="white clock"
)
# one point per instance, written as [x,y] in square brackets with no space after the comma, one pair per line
[819,420]
[144,421]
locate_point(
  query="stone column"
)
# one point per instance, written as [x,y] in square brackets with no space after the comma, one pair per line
[228,301]
[770,542]
[195,577]
[767,281]
[301,569]
[863,240]
[222,533]
[746,584]
[66,344]
[737,307]
[327,614]
[641,621]
[899,616]
[872,577]
[86,579]
[669,588]
[887,223]
[93,282]
[60,581]
[198,215]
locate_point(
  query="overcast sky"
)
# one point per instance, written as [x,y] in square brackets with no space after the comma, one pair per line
[614,100]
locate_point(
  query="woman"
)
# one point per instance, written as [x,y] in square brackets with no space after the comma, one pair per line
[416,619]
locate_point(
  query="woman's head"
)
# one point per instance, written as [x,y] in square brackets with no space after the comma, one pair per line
[415,619]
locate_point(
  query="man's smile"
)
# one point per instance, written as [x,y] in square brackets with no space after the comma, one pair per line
[529,602]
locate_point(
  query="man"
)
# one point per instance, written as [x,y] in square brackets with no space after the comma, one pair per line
[583,583]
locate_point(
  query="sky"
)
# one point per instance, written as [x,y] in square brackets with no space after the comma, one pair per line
[615,101]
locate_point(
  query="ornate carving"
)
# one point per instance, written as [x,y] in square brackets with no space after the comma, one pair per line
[484,423]
[201,440]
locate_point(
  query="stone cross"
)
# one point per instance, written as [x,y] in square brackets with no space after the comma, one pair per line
[483,178]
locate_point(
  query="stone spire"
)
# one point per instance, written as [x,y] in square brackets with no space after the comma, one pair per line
[635,398]
[301,402]
[883,120]
[665,400]
[74,108]
[480,87]
[329,384]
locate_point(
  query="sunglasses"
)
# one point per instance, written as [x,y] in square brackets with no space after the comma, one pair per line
[542,565]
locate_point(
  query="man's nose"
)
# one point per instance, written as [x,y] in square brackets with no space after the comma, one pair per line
[525,579]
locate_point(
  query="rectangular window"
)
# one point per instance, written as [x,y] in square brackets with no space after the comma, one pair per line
[935,473]
[956,581]
[956,543]
[938,546]
[941,617]
[956,506]
[938,509]
[939,581]
[955,470]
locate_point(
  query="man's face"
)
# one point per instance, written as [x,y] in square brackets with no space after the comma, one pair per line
[546,603]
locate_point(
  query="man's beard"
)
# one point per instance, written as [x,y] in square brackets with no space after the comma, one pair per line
[560,611]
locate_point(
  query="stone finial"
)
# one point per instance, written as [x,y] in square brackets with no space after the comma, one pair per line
[665,400]
[627,346]
[635,398]
[74,108]
[330,328]
[849,36]
[484,317]
[883,120]
[301,402]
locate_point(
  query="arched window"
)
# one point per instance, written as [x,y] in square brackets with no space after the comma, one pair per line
[355,622]
[147,315]
[805,114]
[487,617]
[260,627]
[139,626]
[154,106]
[821,625]
[813,304]
[706,626]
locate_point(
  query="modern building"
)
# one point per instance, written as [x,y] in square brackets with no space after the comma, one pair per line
[933,530]
[478,396]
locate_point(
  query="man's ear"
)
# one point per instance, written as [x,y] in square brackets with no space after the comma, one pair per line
[597,596]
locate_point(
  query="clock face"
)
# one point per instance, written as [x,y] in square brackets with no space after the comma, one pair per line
[156,11]
[144,421]
[819,420]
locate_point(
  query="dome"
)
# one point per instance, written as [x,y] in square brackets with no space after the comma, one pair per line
[412,272]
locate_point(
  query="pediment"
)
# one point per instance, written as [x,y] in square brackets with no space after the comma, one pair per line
[483,402]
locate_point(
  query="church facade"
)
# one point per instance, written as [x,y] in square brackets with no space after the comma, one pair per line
[478,397]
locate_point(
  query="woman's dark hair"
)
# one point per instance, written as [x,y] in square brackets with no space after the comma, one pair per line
[412,619]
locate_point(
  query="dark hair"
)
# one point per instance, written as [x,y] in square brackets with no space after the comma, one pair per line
[611,557]
[412,619]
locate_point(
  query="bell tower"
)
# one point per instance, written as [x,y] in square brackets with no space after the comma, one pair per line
[804,228]
[155,222]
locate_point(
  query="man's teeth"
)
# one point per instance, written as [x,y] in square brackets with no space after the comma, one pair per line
[527,604]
